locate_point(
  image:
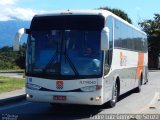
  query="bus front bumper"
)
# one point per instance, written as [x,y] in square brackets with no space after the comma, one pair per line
[86,98]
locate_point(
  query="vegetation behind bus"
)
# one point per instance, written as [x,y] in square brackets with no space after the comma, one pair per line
[152,28]
[10,60]
[119,13]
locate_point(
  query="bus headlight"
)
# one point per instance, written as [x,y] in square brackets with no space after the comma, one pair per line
[33,86]
[91,88]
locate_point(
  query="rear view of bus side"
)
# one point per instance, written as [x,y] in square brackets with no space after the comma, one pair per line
[83,57]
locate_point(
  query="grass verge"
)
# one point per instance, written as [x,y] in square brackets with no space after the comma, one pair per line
[14,71]
[8,84]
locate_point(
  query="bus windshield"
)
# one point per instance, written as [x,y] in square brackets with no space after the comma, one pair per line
[59,54]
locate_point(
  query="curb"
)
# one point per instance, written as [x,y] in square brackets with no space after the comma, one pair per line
[12,100]
[12,72]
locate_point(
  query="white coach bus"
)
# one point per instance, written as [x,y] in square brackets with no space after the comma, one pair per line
[83,57]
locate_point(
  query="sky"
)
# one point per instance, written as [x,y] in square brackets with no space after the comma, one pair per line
[137,10]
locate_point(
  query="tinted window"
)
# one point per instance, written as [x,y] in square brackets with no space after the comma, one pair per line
[108,53]
[129,38]
[60,22]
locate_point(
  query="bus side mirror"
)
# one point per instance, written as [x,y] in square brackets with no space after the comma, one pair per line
[105,39]
[17,39]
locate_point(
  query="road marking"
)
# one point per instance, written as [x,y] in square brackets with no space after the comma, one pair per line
[154,100]
[152,104]
[17,105]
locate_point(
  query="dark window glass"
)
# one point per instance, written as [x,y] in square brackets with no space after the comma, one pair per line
[61,22]
[61,54]
[108,53]
[117,36]
[128,38]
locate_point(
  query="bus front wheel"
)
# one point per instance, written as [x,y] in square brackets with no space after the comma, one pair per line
[114,99]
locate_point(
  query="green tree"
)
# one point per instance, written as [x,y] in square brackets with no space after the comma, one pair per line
[152,28]
[21,59]
[7,57]
[12,60]
[119,13]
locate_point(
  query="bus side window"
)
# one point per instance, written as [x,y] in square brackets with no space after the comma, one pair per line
[108,53]
[106,67]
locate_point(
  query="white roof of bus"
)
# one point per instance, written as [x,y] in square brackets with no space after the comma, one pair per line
[105,13]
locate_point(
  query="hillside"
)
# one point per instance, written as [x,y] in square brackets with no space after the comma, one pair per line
[8,30]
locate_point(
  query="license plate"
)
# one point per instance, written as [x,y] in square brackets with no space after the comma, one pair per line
[58,97]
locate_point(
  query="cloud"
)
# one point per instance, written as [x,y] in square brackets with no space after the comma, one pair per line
[20,13]
[16,13]
[7,2]
[10,11]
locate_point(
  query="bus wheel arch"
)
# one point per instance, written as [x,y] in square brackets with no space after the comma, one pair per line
[118,85]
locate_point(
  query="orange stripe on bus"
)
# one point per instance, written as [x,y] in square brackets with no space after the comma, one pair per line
[140,64]
[121,55]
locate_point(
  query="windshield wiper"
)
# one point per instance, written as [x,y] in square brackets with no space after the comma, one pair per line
[69,61]
[61,52]
[71,64]
[52,60]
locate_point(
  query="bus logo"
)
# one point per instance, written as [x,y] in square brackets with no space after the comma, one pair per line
[59,84]
[123,59]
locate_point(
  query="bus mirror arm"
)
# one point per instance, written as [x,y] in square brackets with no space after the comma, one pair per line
[18,37]
[105,39]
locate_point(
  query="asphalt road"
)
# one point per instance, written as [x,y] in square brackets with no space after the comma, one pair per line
[148,101]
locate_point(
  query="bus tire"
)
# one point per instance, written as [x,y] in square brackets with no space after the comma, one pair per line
[138,89]
[114,99]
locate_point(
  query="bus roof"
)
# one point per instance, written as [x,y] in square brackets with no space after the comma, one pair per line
[104,13]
